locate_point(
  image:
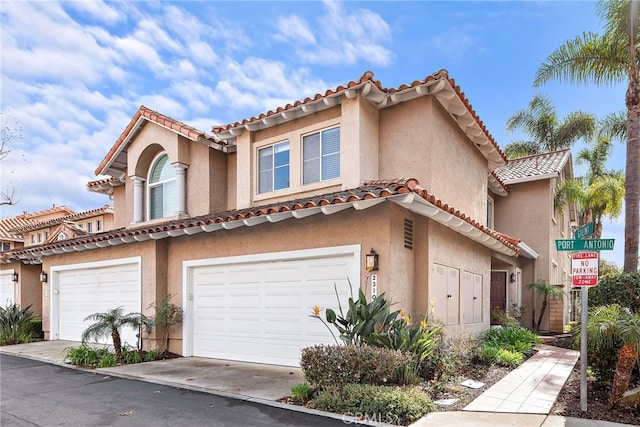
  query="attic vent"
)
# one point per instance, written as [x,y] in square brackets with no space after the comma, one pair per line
[408,233]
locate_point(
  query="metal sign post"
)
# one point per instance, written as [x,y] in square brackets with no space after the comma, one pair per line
[583,349]
[584,273]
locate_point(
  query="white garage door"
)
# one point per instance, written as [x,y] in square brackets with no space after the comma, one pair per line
[258,310]
[7,288]
[86,289]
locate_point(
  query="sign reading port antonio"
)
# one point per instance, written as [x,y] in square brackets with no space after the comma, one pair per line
[585,245]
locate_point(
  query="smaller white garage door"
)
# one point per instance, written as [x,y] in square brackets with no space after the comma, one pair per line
[84,289]
[259,310]
[7,288]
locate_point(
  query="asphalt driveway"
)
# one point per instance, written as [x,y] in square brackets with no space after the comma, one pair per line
[38,393]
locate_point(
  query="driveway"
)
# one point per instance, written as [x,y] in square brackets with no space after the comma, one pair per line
[38,393]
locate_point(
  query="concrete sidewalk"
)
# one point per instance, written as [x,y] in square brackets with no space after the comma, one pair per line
[266,384]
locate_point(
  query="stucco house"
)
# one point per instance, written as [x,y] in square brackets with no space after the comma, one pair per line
[250,226]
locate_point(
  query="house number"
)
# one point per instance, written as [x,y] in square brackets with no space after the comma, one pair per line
[374,286]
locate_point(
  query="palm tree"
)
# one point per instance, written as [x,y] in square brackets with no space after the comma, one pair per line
[541,122]
[109,323]
[542,288]
[599,193]
[608,325]
[609,59]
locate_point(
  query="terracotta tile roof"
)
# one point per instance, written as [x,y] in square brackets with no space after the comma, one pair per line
[34,225]
[147,114]
[386,93]
[54,210]
[70,229]
[10,223]
[533,167]
[370,192]
[104,186]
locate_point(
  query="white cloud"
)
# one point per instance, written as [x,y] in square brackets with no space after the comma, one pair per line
[457,42]
[98,10]
[349,36]
[295,29]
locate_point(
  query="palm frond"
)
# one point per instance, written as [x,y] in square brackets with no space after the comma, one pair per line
[588,58]
[521,149]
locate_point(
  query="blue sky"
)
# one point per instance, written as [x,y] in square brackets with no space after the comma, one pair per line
[74,73]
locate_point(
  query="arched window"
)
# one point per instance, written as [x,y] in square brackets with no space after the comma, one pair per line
[162,188]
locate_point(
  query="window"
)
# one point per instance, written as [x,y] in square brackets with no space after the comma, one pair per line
[489,213]
[46,235]
[5,246]
[90,227]
[273,167]
[321,156]
[33,238]
[162,189]
[99,225]
[39,237]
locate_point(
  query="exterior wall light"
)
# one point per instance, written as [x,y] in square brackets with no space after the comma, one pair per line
[512,278]
[44,277]
[15,277]
[371,261]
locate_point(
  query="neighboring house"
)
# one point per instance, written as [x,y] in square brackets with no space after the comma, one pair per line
[251,226]
[11,275]
[529,213]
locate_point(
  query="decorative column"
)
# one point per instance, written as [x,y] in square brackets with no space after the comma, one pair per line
[181,199]
[138,183]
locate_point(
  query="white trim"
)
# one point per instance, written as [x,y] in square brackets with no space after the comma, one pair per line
[188,266]
[54,286]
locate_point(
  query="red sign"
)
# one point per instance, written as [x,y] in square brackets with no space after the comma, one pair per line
[584,268]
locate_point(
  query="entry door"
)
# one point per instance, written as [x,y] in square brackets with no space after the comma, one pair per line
[499,289]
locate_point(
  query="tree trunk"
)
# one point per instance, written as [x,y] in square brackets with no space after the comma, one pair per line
[632,179]
[542,310]
[117,343]
[627,357]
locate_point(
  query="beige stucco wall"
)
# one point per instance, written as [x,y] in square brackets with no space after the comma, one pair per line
[418,139]
[121,215]
[536,199]
[453,250]
[152,265]
[28,290]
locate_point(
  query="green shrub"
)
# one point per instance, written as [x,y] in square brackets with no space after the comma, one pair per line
[131,356]
[602,350]
[84,355]
[492,353]
[392,405]
[453,355]
[302,391]
[621,288]
[15,324]
[151,355]
[520,340]
[329,365]
[107,360]
[500,317]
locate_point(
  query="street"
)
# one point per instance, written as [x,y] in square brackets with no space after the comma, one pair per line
[37,393]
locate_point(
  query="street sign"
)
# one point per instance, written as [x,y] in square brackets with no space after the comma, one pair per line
[584,268]
[585,245]
[584,231]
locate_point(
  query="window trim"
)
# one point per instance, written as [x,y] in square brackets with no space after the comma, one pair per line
[302,160]
[149,185]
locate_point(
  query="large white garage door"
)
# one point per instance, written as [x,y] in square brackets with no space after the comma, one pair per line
[86,289]
[258,309]
[7,288]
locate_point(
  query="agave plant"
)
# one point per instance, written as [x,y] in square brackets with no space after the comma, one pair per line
[15,324]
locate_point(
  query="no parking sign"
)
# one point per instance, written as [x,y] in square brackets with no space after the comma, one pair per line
[584,268]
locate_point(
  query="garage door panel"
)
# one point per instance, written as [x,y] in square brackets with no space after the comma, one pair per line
[7,288]
[262,311]
[84,291]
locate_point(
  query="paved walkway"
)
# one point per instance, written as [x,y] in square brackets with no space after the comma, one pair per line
[531,388]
